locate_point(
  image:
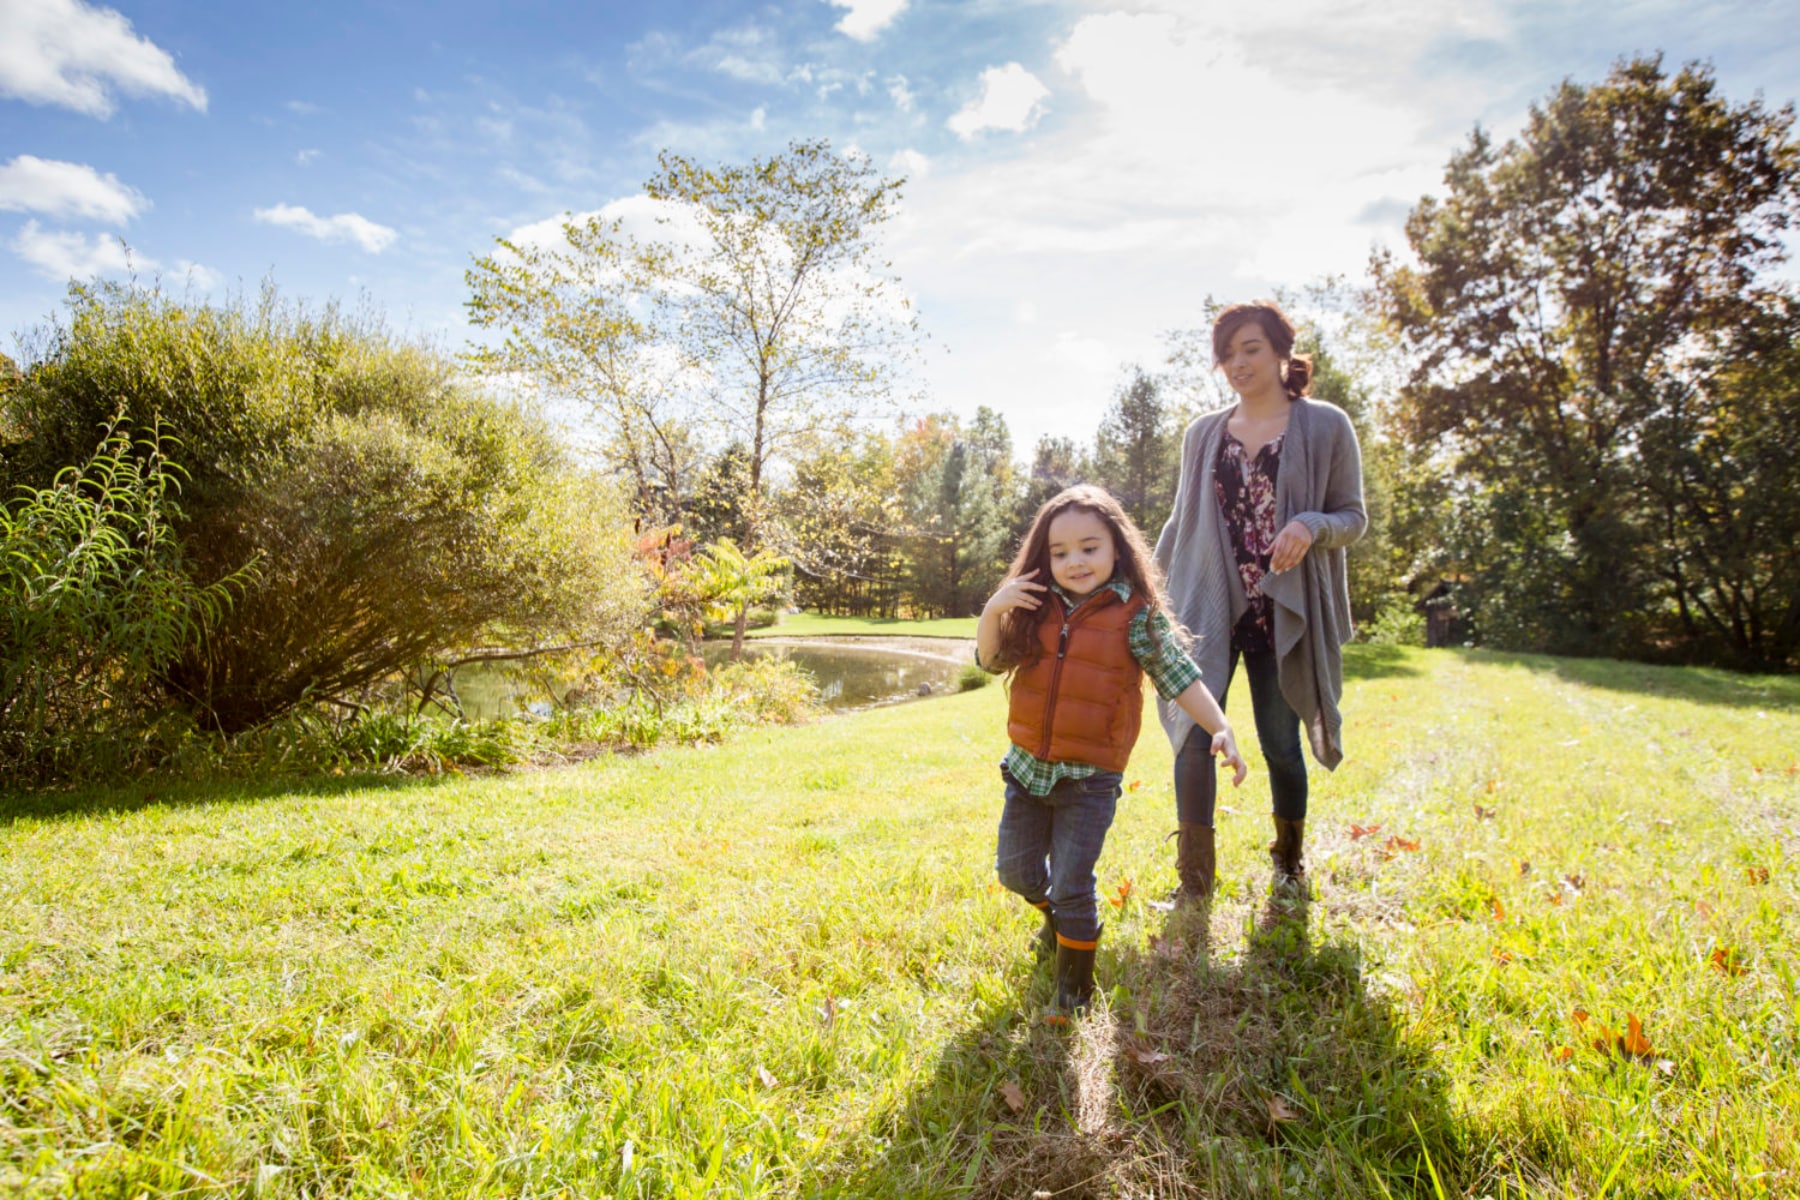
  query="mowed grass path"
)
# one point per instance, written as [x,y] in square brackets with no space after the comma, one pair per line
[780,968]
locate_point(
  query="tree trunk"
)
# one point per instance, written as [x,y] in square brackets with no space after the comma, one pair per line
[737,632]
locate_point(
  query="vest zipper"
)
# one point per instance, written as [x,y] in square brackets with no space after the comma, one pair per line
[1062,649]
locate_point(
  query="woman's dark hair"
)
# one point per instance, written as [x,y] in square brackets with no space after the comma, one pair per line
[1277,328]
[1132,560]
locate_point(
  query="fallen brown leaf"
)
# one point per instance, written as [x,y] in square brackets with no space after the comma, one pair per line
[1725,961]
[1145,1056]
[1014,1097]
[1280,1110]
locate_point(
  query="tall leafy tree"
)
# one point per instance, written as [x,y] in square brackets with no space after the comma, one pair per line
[1721,473]
[1136,448]
[1056,463]
[1561,299]
[840,521]
[759,310]
[957,536]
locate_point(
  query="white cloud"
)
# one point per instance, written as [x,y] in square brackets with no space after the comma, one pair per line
[910,163]
[65,256]
[197,277]
[305,157]
[639,216]
[867,18]
[66,53]
[1012,98]
[66,189]
[750,54]
[343,227]
[759,118]
[1086,354]
[901,94]
[520,179]
[304,108]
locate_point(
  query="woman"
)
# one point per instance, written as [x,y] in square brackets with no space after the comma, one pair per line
[1269,496]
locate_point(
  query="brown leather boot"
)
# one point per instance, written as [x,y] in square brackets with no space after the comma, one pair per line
[1195,862]
[1284,851]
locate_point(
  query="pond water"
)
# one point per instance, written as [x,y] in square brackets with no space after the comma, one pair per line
[852,673]
[860,672]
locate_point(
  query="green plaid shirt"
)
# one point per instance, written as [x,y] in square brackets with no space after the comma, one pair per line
[1154,647]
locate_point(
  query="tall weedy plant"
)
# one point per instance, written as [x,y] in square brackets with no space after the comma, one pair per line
[94,602]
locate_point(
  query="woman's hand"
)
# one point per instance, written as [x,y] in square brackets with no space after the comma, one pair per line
[1290,546]
[1015,593]
[1225,745]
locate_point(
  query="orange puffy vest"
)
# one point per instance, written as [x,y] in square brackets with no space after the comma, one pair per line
[1082,700]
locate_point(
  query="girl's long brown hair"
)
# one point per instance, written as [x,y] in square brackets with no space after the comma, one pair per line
[1132,560]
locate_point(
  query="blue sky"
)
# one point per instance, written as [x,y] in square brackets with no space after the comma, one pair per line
[1081,174]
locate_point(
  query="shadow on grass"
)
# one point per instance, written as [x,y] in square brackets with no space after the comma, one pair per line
[1365,661]
[1701,685]
[71,803]
[1273,1070]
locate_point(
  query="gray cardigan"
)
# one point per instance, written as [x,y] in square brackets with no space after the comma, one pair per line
[1320,485]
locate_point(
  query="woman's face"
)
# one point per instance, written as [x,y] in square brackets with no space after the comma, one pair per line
[1250,363]
[1081,551]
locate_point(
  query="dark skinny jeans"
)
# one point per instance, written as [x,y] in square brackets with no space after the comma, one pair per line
[1277,731]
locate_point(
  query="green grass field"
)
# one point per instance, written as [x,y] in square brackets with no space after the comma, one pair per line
[812,624]
[1548,952]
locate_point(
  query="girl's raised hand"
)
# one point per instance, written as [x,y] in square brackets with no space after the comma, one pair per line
[1015,593]
[1225,745]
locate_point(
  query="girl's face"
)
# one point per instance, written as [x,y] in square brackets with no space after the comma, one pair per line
[1081,551]
[1250,364]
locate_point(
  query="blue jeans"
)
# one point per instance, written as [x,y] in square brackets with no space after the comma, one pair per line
[1049,845]
[1277,731]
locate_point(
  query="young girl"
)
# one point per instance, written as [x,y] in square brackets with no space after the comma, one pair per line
[1077,624]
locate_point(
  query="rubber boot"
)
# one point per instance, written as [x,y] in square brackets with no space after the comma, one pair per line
[1074,974]
[1284,851]
[1043,946]
[1195,862]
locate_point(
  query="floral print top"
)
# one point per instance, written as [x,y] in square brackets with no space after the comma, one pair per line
[1246,495]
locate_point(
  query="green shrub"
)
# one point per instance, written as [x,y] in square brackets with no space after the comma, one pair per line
[972,677]
[1396,625]
[397,515]
[769,691]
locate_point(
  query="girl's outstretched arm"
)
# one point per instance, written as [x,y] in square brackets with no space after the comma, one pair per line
[1199,704]
[1017,592]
